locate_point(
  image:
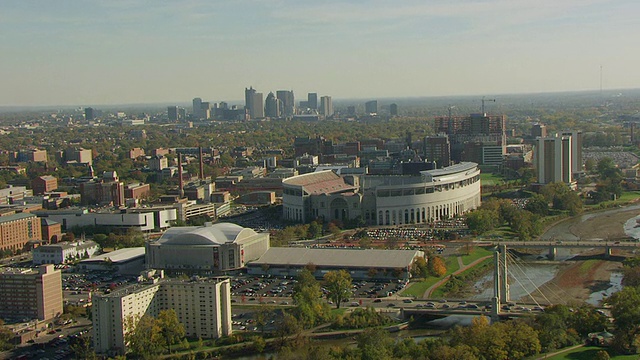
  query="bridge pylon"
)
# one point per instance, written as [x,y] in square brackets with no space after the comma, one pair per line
[500,280]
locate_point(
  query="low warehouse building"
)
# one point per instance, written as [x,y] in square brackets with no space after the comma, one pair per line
[366,264]
[123,261]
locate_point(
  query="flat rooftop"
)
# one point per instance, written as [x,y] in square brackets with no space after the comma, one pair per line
[347,258]
[118,255]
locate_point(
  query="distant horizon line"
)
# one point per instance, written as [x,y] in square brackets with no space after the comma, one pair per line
[8,108]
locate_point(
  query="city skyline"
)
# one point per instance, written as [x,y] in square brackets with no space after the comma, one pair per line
[121,52]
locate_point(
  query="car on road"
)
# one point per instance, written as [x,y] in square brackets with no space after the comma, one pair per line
[407,301]
[377,300]
[391,305]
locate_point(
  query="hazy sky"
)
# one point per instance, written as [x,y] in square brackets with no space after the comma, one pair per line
[93,52]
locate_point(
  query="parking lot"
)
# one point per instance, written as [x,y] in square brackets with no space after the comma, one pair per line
[77,286]
[273,290]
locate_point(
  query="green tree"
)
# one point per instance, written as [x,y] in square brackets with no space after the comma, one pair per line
[625,309]
[338,285]
[83,349]
[481,220]
[6,336]
[374,344]
[538,205]
[307,295]
[144,336]
[171,329]
[315,230]
[602,355]
[419,268]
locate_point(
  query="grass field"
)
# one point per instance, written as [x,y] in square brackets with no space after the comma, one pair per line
[475,254]
[439,292]
[588,353]
[418,288]
[627,196]
[490,179]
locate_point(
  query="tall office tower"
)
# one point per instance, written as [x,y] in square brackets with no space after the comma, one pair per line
[576,150]
[288,102]
[437,148]
[538,130]
[272,106]
[371,107]
[197,108]
[253,103]
[205,110]
[89,113]
[172,113]
[258,106]
[312,101]
[552,158]
[393,109]
[326,106]
[182,113]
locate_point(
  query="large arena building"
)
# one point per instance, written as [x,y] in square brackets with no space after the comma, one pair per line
[212,248]
[383,199]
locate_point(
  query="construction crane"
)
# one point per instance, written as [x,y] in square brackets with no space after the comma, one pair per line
[485,100]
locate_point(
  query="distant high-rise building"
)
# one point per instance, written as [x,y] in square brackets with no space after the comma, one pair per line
[437,148]
[197,108]
[326,106]
[288,102]
[89,113]
[477,138]
[272,107]
[351,110]
[172,113]
[552,159]
[205,110]
[576,150]
[253,103]
[312,101]
[371,107]
[182,113]
[538,130]
[393,110]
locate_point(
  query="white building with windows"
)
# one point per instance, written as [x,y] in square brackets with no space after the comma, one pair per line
[203,306]
[65,251]
[383,199]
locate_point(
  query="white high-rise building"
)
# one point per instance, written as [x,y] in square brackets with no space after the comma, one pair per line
[326,106]
[203,306]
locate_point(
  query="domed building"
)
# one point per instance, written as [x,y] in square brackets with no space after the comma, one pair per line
[212,248]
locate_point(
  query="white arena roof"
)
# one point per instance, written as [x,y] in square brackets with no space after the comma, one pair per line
[360,258]
[216,234]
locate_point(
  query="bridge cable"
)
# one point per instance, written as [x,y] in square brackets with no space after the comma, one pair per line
[562,296]
[516,262]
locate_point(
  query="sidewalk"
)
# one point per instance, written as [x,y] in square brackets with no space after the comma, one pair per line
[430,290]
